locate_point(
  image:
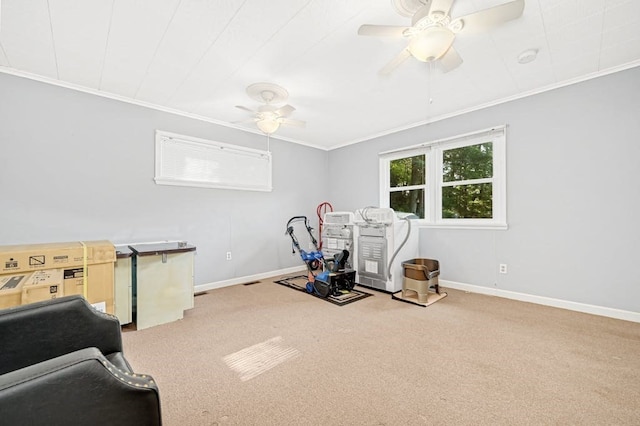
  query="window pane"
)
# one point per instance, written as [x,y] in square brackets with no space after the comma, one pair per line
[411,201]
[406,171]
[468,162]
[467,201]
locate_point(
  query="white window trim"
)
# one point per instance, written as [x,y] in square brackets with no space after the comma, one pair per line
[433,161]
[229,176]
[385,175]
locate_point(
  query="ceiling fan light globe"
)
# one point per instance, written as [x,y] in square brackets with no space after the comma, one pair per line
[268,126]
[266,109]
[267,114]
[431,44]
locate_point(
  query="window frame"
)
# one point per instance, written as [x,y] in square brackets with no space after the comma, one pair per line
[433,151]
[387,178]
[258,168]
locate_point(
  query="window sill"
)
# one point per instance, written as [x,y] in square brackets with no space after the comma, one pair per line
[492,226]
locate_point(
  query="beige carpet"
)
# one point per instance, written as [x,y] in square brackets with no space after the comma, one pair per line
[265,355]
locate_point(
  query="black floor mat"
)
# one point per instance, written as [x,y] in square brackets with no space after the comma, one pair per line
[299,283]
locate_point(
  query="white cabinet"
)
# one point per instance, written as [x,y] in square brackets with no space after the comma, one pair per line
[163,282]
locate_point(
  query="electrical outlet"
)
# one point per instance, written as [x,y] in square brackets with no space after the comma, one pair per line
[503,268]
[228,255]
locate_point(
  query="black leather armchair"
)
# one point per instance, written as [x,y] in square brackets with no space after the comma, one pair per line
[61,363]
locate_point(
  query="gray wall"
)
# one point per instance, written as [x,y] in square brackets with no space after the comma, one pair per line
[74,166]
[573,188]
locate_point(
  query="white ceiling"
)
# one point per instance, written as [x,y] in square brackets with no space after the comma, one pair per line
[198,57]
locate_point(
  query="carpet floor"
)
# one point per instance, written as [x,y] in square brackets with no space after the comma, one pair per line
[265,355]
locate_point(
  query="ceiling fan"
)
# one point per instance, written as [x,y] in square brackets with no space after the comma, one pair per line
[269,117]
[432,32]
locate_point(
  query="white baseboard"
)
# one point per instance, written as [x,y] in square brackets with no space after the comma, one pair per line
[547,301]
[523,297]
[247,278]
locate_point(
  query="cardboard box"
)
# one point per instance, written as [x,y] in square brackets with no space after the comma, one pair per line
[100,285]
[43,285]
[11,289]
[32,257]
[51,266]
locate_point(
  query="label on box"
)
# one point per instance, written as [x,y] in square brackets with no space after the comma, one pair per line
[46,276]
[42,285]
[39,260]
[73,273]
[12,282]
[10,264]
[11,289]
[61,259]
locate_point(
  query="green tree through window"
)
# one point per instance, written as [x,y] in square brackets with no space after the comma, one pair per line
[406,180]
[407,171]
[469,167]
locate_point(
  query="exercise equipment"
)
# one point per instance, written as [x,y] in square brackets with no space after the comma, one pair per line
[334,278]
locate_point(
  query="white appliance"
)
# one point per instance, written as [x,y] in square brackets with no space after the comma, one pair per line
[384,241]
[338,234]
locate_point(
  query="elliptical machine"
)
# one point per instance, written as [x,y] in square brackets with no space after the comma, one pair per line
[335,278]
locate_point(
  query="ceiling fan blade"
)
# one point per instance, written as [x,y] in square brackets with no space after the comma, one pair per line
[408,8]
[293,123]
[381,30]
[491,17]
[284,111]
[395,62]
[422,12]
[443,6]
[246,109]
[450,60]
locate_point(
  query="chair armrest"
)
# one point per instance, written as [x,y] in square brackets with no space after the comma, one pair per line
[39,331]
[79,388]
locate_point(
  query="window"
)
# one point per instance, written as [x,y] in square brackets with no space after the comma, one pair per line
[407,184]
[457,182]
[188,161]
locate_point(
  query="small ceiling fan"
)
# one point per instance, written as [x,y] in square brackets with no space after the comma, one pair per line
[269,117]
[433,31]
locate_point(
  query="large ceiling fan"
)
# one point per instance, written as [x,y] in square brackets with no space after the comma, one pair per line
[269,117]
[432,32]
